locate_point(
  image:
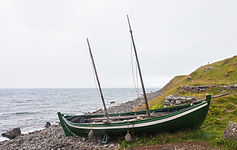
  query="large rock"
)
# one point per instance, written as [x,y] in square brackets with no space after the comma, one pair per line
[231,131]
[12,133]
[48,124]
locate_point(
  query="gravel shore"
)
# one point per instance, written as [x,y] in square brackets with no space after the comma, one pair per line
[53,137]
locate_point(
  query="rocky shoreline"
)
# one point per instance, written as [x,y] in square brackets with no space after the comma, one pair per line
[53,137]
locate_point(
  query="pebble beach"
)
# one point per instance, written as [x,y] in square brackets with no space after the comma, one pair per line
[53,137]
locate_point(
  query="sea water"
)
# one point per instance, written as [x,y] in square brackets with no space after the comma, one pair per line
[30,109]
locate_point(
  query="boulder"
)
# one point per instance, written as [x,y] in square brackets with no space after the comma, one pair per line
[12,133]
[231,131]
[48,124]
[112,102]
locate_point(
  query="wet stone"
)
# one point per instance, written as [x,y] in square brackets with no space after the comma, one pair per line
[12,133]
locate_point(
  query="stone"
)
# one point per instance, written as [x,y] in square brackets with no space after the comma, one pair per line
[111,146]
[91,135]
[172,101]
[112,102]
[235,86]
[178,102]
[231,131]
[12,133]
[207,68]
[47,125]
[128,137]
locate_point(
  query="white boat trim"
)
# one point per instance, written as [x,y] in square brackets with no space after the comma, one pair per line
[140,124]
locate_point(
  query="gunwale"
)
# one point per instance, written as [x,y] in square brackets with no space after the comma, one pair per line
[134,122]
[190,117]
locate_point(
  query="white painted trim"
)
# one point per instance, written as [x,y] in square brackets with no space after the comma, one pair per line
[141,124]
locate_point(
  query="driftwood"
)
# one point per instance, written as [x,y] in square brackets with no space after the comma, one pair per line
[212,97]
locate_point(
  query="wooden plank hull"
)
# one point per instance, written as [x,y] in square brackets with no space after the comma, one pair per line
[189,117]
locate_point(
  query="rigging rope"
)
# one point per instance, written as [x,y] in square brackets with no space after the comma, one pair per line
[135,78]
[96,86]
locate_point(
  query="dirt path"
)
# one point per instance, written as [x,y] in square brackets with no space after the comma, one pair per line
[176,146]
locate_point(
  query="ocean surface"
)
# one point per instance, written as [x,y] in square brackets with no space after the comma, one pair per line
[30,109]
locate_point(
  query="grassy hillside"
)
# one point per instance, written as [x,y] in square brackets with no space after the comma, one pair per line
[222,110]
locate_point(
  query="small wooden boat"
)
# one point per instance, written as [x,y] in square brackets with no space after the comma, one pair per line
[141,122]
[166,119]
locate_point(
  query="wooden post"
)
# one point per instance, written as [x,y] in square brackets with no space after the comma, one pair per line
[139,70]
[97,79]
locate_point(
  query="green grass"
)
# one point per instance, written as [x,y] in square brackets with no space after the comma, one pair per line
[221,111]
[213,137]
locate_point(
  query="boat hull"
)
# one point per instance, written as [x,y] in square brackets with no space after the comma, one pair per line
[189,118]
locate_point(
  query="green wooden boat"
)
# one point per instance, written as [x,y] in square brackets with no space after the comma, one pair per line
[187,116]
[141,122]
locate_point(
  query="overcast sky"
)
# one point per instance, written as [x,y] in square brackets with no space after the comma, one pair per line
[43,42]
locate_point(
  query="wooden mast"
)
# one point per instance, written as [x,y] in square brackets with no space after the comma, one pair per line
[139,69]
[97,79]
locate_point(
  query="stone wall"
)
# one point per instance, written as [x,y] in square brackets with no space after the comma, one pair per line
[202,88]
[177,100]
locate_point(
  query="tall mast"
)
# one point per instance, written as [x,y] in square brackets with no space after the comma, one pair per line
[139,70]
[97,79]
